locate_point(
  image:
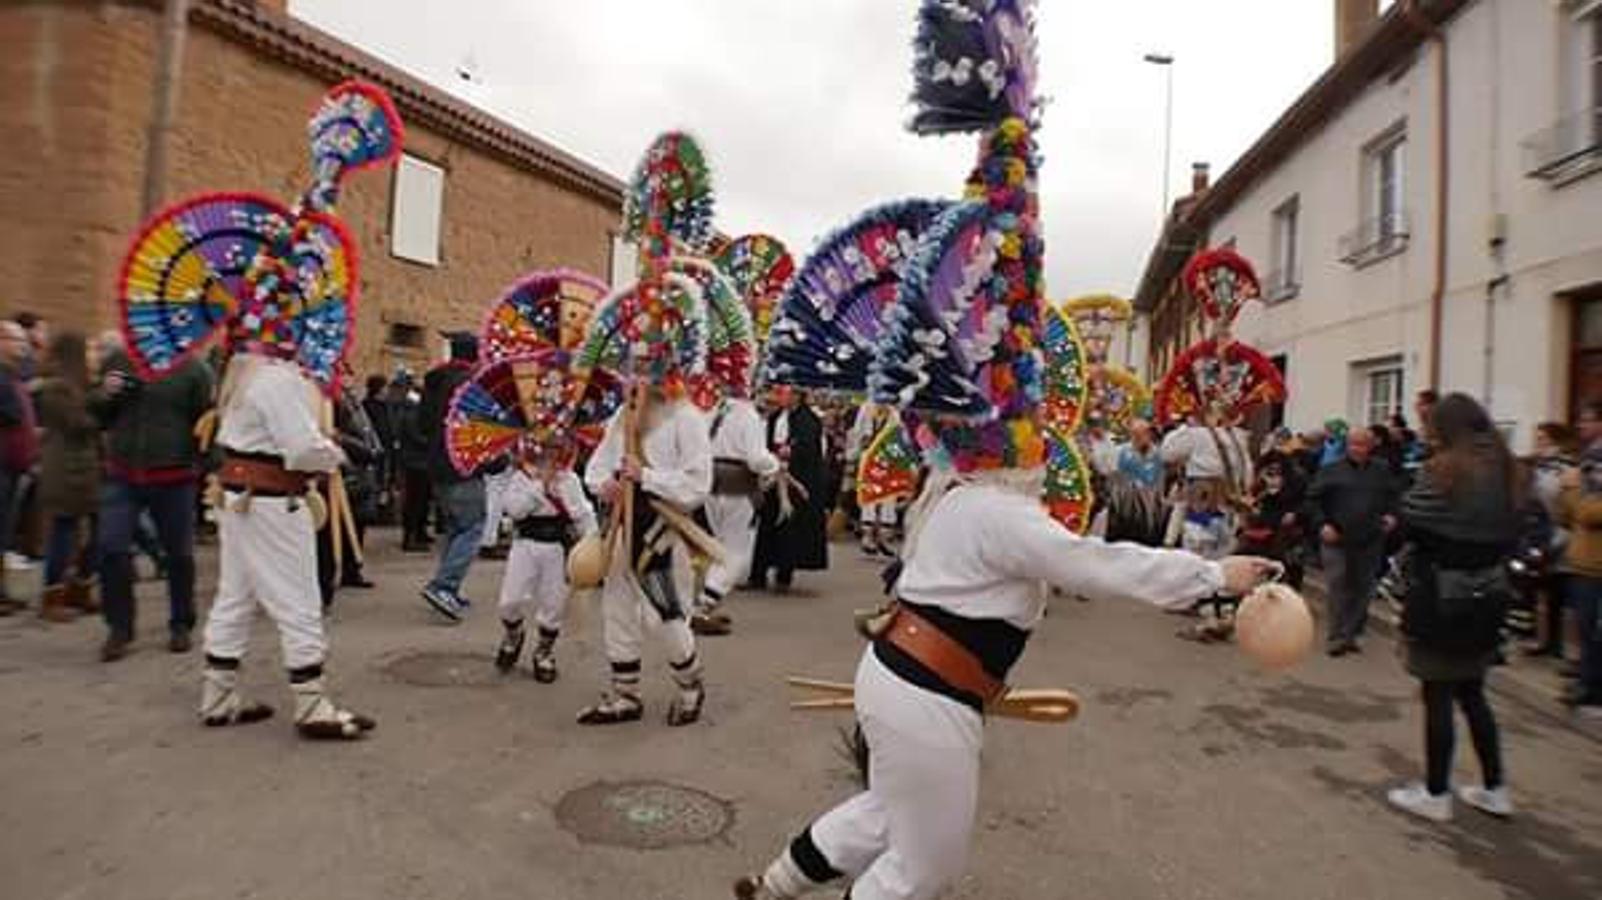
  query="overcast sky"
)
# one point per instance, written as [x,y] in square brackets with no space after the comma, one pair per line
[800,103]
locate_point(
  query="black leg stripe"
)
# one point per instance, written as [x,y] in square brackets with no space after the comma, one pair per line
[632,667]
[811,861]
[716,595]
[306,673]
[686,665]
[222,662]
[550,634]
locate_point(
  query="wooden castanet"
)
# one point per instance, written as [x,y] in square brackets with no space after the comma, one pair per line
[1025,704]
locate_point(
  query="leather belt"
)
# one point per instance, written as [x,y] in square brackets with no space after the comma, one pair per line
[942,655]
[261,477]
[731,477]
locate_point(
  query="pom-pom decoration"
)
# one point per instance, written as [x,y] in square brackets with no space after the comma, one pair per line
[538,403]
[761,268]
[672,187]
[974,64]
[1222,281]
[665,348]
[888,469]
[542,311]
[239,266]
[962,344]
[730,340]
[1220,384]
[1067,495]
[1067,381]
[354,127]
[833,313]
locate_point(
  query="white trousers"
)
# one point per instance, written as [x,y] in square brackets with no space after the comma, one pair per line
[494,506]
[882,514]
[626,611]
[267,557]
[733,520]
[907,836]
[535,579]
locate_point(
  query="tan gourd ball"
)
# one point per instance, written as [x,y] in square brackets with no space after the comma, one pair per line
[1274,627]
[586,562]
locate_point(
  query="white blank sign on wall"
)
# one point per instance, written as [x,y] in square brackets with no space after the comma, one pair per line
[416,210]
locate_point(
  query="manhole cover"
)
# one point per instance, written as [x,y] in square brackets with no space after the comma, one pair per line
[443,670]
[644,815]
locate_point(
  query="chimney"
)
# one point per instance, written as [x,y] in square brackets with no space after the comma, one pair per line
[1352,21]
[1200,177]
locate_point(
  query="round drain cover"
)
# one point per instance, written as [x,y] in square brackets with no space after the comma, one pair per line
[644,815]
[443,670]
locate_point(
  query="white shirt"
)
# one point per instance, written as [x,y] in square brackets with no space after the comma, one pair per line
[1194,446]
[525,495]
[741,435]
[864,428]
[272,409]
[677,450]
[985,551]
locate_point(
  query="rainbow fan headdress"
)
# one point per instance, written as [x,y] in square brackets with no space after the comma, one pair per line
[244,268]
[529,396]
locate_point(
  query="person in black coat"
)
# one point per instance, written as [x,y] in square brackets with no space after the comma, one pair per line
[1352,507]
[417,489]
[460,496]
[792,523]
[1460,523]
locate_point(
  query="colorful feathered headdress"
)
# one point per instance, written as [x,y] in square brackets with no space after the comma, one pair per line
[244,268]
[1219,379]
[963,345]
[529,396]
[656,330]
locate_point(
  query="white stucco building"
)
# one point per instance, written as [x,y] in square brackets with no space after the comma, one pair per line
[1428,214]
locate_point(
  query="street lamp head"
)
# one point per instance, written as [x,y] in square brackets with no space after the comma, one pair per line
[1159,59]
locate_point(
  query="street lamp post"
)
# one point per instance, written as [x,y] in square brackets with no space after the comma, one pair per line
[1165,60]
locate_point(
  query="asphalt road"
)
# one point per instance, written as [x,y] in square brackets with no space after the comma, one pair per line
[1188,775]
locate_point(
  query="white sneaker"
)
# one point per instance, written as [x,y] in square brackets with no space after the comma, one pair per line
[1417,799]
[1487,800]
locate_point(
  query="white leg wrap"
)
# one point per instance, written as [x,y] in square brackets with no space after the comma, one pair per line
[219,695]
[317,716]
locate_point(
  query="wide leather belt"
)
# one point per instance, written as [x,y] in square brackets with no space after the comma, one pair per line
[731,477]
[942,655]
[261,477]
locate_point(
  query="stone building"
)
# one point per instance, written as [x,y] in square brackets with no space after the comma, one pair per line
[1424,215]
[474,203]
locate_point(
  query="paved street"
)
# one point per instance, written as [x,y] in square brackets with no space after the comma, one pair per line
[1188,776]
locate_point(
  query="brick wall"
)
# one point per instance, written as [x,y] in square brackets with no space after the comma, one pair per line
[70,187]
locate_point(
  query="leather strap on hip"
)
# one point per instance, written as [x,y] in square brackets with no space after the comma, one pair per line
[942,655]
[261,477]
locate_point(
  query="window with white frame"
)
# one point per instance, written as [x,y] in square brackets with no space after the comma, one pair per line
[1379,392]
[416,211]
[1387,176]
[1571,146]
[1286,277]
[1384,228]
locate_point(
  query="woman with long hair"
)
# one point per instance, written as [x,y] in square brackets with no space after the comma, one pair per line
[69,481]
[1459,519]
